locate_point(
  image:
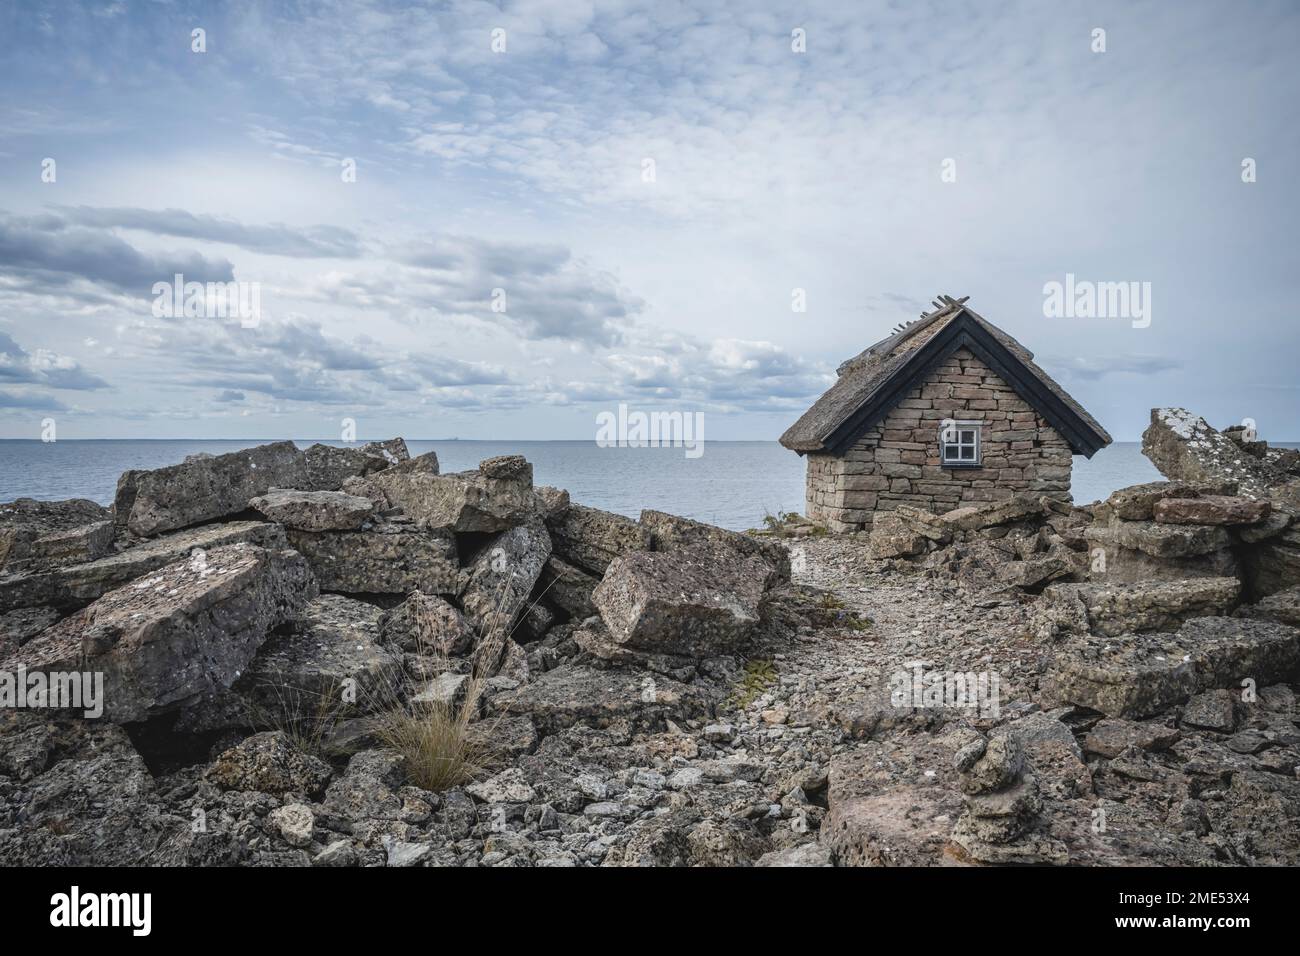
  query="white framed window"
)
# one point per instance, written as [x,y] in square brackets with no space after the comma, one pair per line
[959,444]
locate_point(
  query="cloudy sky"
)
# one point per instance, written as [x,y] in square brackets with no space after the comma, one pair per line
[619,205]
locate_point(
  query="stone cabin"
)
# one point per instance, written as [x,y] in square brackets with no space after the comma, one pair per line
[947,411]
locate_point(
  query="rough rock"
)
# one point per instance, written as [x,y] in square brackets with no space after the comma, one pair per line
[269,763]
[550,502]
[502,576]
[891,807]
[698,601]
[314,510]
[567,588]
[77,585]
[1128,608]
[427,624]
[26,521]
[329,466]
[469,501]
[1110,561]
[893,536]
[87,799]
[671,532]
[802,854]
[19,626]
[388,558]
[328,665]
[86,542]
[1141,675]
[1185,448]
[1283,607]
[590,538]
[1211,509]
[1111,737]
[1169,540]
[180,634]
[569,695]
[978,517]
[1211,710]
[204,487]
[294,822]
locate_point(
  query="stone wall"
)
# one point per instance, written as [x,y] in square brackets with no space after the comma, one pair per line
[897,460]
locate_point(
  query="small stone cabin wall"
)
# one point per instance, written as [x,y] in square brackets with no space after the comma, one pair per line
[897,460]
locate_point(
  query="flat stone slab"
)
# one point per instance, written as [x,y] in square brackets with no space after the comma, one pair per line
[590,538]
[1170,540]
[1118,609]
[1141,675]
[382,559]
[570,694]
[1185,448]
[77,585]
[892,808]
[1211,509]
[1111,737]
[205,487]
[179,634]
[314,510]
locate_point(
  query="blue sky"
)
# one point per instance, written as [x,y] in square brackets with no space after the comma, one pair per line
[523,171]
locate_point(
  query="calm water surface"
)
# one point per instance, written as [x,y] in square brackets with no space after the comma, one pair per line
[733,484]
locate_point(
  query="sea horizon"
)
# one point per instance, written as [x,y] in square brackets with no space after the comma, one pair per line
[735,487]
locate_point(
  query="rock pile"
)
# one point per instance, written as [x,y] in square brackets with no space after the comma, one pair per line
[1003,806]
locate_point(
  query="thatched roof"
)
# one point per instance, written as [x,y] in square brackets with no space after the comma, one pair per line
[872,382]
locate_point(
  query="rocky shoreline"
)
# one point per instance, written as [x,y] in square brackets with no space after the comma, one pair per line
[654,691]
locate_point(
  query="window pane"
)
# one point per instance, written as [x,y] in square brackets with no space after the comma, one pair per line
[968,437]
[968,453]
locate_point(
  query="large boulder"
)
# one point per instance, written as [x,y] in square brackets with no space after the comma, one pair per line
[493,498]
[1169,540]
[77,585]
[894,536]
[1184,447]
[329,466]
[1141,675]
[698,601]
[179,635]
[993,513]
[27,525]
[387,558]
[1115,609]
[567,588]
[205,487]
[325,668]
[502,576]
[1110,561]
[426,624]
[314,510]
[1137,502]
[890,806]
[1211,509]
[590,538]
[569,695]
[671,532]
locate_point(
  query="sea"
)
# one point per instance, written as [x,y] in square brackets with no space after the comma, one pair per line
[732,484]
